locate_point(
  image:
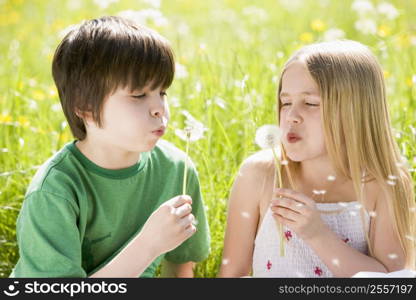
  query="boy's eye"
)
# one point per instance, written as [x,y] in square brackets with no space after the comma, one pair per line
[140,96]
[312,104]
[285,104]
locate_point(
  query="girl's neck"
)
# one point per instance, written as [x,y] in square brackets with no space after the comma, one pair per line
[320,175]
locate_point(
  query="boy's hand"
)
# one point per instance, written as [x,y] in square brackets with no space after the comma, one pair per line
[170,225]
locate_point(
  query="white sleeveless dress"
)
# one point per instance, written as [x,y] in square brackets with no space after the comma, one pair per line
[299,259]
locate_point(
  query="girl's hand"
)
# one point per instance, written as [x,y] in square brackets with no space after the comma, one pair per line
[298,212]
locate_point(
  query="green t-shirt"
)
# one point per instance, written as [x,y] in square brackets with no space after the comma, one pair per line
[77,216]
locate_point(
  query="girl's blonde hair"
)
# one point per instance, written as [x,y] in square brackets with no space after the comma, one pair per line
[357,130]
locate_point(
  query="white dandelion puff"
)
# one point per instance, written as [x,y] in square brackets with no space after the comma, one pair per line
[268,137]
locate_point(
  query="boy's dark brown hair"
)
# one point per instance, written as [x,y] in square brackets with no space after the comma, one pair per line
[100,55]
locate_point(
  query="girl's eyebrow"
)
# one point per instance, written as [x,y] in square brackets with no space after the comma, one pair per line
[306,93]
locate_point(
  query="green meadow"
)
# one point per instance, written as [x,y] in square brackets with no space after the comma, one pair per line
[229,55]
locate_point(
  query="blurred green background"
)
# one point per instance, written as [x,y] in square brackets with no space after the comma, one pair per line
[229,54]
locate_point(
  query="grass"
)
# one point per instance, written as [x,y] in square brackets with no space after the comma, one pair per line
[232,52]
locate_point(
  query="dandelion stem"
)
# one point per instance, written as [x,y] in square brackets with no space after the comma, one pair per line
[279,225]
[188,136]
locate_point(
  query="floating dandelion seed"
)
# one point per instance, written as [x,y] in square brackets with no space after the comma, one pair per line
[353,213]
[268,137]
[409,237]
[372,214]
[331,178]
[245,214]
[392,255]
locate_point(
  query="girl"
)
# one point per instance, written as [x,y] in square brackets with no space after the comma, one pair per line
[348,202]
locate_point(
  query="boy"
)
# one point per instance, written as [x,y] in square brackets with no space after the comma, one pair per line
[100,206]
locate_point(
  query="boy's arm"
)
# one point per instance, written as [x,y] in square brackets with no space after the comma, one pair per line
[184,270]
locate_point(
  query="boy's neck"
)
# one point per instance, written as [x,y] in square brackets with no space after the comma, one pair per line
[106,155]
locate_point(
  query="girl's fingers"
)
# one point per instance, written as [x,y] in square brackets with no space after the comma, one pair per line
[286,213]
[284,221]
[294,195]
[288,203]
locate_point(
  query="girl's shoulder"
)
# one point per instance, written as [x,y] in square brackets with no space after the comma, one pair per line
[260,163]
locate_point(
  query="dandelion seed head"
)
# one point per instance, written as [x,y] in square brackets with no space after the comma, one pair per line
[268,137]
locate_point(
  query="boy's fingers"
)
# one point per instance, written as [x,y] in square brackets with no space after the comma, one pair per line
[183,210]
[180,200]
[187,221]
[190,230]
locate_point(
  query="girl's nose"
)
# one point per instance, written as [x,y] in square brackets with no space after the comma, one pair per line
[294,116]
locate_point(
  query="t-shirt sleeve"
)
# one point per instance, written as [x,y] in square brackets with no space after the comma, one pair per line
[197,247]
[48,237]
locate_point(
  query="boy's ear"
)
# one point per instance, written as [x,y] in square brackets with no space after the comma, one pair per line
[84,115]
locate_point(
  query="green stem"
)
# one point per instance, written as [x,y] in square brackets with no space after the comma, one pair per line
[186,165]
[279,225]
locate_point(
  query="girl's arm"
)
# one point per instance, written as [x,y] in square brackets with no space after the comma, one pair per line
[243,216]
[341,259]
